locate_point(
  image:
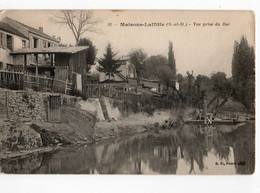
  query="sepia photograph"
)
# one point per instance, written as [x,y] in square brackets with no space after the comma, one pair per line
[127,92]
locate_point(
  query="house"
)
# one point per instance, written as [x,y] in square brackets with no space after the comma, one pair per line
[70,64]
[152,85]
[126,71]
[15,35]
[24,48]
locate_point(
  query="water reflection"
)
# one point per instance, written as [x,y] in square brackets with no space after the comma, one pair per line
[191,150]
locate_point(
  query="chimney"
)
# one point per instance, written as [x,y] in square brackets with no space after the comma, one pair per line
[41,29]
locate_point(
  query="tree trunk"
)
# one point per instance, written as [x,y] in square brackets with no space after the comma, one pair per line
[77,40]
[109,76]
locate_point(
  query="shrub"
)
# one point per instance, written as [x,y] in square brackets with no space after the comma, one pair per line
[76,92]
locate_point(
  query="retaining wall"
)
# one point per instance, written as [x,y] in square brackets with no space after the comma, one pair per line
[30,105]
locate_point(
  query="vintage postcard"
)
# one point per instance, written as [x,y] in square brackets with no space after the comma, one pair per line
[127,92]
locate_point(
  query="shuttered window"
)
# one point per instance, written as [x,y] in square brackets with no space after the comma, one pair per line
[1,39]
[9,42]
[23,44]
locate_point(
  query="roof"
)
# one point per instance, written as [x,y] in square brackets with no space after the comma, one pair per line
[146,80]
[25,29]
[51,50]
[111,81]
[124,58]
[6,27]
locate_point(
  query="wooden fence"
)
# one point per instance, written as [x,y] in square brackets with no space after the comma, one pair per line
[20,80]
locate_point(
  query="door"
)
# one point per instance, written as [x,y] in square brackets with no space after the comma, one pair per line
[54,111]
[61,75]
[79,82]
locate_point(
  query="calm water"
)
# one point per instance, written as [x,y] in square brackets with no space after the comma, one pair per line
[192,150]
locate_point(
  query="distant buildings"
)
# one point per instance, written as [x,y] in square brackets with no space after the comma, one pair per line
[126,71]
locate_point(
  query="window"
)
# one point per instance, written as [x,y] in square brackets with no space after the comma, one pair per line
[9,42]
[1,39]
[35,43]
[49,44]
[44,44]
[23,44]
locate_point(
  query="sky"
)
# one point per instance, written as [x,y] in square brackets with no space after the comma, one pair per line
[203,49]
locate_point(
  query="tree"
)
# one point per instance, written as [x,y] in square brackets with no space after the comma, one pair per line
[157,67]
[165,74]
[137,59]
[187,88]
[171,59]
[243,72]
[153,66]
[109,64]
[91,52]
[221,85]
[202,86]
[79,21]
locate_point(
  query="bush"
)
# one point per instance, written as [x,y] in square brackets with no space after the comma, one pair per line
[76,92]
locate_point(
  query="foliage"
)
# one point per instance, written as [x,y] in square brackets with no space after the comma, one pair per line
[180,78]
[79,21]
[221,85]
[137,59]
[187,91]
[171,59]
[165,74]
[91,52]
[153,65]
[109,64]
[243,73]
[76,92]
[94,77]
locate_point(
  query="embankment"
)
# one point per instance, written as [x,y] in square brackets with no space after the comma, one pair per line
[127,126]
[24,126]
[27,129]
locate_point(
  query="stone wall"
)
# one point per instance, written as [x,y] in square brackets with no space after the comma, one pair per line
[28,105]
[16,135]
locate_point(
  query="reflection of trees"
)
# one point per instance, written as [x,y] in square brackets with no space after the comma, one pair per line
[193,145]
[164,155]
[242,141]
[220,145]
[158,152]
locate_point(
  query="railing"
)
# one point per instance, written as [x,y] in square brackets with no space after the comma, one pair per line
[13,80]
[20,80]
[122,92]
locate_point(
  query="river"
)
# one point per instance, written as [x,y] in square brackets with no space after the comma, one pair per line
[190,150]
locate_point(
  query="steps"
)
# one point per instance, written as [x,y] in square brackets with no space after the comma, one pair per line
[104,107]
[69,87]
